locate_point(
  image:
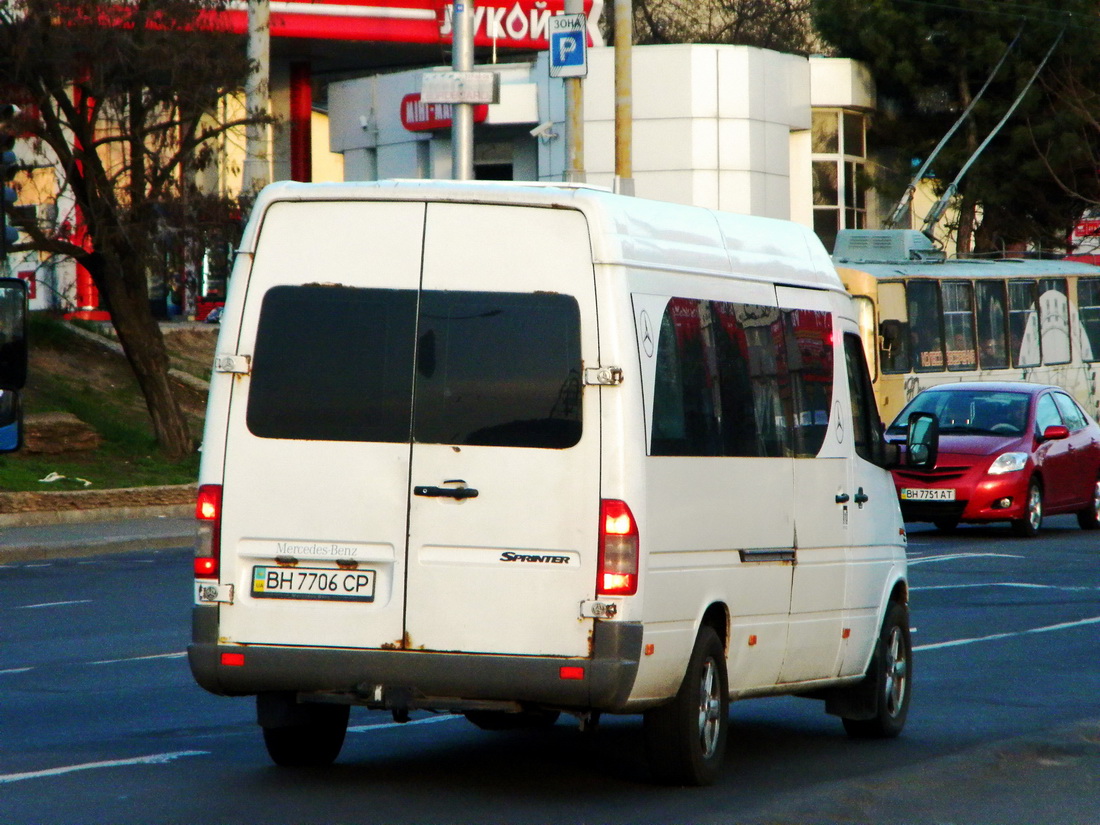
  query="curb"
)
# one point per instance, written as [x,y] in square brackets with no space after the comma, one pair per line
[65,549]
[37,518]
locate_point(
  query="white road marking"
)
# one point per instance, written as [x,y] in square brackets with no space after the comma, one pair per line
[139,658]
[52,604]
[154,759]
[955,556]
[1021,585]
[16,670]
[996,636]
[383,725]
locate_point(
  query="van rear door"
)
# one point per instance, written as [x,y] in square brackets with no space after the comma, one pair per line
[317,447]
[507,324]
[414,434]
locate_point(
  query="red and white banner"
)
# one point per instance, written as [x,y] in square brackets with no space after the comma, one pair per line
[516,24]
[418,116]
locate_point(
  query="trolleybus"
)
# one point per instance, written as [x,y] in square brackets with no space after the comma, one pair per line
[927,319]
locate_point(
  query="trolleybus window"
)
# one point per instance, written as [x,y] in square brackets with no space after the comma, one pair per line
[958,319]
[1054,320]
[992,323]
[1023,323]
[925,312]
[1088,305]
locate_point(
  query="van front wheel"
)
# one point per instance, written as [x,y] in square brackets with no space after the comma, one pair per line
[686,738]
[890,676]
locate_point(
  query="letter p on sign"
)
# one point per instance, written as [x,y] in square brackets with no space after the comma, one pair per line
[568,38]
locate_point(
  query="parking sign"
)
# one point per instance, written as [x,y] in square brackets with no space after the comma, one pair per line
[568,45]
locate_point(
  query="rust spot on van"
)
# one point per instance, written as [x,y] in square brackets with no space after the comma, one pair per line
[404,643]
[347,564]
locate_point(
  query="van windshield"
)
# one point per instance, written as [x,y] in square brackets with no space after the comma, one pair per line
[334,363]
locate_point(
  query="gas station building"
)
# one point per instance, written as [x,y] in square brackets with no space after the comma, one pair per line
[729,127]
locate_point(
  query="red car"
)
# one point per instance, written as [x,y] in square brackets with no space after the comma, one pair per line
[1008,451]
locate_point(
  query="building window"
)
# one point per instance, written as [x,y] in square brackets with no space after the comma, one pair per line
[839,145]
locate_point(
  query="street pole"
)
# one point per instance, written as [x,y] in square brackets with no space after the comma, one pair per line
[624,98]
[574,115]
[255,172]
[462,60]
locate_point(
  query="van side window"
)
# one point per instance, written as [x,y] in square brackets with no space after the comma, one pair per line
[865,420]
[474,368]
[741,380]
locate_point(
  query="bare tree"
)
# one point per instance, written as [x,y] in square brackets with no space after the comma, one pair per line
[124,95]
[783,25]
[1077,95]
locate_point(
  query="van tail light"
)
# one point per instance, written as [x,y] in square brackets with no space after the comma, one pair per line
[618,567]
[208,511]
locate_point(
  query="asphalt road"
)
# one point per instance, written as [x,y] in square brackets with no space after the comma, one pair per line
[100,721]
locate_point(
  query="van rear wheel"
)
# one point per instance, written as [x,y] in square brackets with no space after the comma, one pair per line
[312,737]
[686,738]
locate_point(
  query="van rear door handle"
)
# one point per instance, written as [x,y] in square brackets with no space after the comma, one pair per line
[861,497]
[445,492]
[841,498]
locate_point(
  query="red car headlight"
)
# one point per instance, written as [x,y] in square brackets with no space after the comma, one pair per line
[1007,463]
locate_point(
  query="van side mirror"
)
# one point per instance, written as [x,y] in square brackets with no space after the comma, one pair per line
[922,441]
[13,333]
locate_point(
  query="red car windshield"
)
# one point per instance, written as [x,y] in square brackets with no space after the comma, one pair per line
[976,412]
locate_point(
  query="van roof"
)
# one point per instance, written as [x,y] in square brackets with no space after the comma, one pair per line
[623,229]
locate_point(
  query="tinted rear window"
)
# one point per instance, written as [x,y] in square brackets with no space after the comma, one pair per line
[477,368]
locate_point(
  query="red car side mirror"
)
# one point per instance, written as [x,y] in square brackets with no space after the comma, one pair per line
[1055,432]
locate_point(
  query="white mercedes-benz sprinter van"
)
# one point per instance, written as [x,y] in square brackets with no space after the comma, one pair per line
[510,450]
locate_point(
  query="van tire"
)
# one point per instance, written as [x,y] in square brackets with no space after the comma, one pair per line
[314,741]
[524,720]
[686,738]
[890,676]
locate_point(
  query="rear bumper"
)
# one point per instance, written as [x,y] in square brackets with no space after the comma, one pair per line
[420,678]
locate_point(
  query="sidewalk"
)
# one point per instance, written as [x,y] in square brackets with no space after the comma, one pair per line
[69,533]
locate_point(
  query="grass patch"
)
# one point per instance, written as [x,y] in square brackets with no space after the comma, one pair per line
[96,386]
